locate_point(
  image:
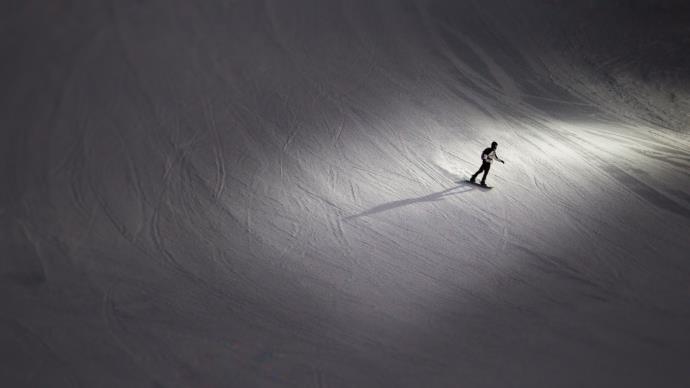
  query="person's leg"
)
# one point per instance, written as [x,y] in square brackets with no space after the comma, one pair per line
[485,167]
[477,173]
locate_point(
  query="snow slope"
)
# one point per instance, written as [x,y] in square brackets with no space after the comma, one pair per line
[270,194]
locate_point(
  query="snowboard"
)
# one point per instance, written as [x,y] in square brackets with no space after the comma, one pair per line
[479,185]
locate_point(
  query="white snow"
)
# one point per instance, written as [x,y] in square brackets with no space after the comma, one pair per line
[268,193]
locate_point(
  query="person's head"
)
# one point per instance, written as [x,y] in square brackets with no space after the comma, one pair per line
[494,145]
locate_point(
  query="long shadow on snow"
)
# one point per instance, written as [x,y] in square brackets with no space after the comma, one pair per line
[438,196]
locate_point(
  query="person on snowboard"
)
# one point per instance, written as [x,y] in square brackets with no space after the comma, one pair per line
[488,157]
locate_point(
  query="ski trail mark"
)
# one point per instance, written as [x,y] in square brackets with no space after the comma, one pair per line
[218,155]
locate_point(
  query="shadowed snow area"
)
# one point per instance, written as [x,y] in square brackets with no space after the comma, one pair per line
[272,194]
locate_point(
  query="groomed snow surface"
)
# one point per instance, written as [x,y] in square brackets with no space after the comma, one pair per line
[271,194]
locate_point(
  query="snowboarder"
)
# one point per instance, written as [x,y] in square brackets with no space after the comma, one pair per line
[488,156]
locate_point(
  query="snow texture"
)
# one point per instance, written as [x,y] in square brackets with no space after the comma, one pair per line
[272,193]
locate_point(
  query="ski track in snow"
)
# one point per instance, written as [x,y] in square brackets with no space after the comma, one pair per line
[269,194]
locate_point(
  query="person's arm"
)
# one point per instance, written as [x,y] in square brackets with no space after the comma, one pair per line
[499,159]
